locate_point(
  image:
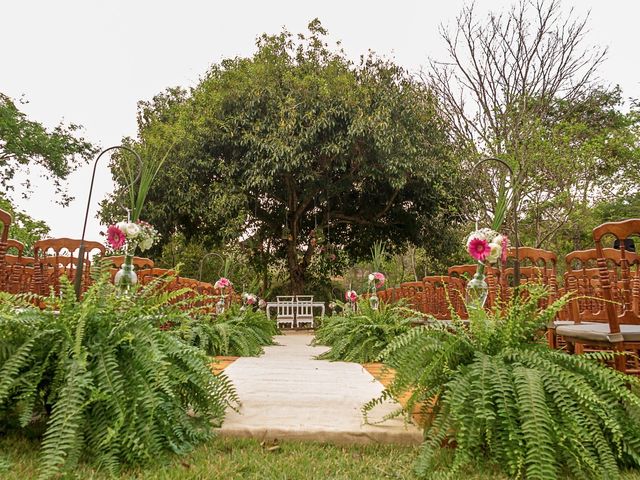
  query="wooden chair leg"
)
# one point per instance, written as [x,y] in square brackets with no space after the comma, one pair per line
[551,338]
[620,361]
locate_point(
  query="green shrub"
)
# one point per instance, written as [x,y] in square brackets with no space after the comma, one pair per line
[363,335]
[236,332]
[103,380]
[501,394]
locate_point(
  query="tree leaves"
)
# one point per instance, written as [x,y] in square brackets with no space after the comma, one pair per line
[297,139]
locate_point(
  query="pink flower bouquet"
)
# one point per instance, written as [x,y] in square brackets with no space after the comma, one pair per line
[127,236]
[249,298]
[351,296]
[377,279]
[487,245]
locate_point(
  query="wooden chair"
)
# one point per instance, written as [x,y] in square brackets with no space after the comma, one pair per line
[18,270]
[415,294]
[536,266]
[443,293]
[583,278]
[56,257]
[5,223]
[622,331]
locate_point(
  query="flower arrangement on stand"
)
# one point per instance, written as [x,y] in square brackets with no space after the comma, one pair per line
[376,281]
[126,237]
[485,246]
[248,300]
[221,284]
[351,297]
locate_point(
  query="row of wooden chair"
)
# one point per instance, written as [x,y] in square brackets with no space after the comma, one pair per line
[54,258]
[604,311]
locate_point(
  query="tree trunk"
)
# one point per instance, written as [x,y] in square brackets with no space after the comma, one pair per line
[297,271]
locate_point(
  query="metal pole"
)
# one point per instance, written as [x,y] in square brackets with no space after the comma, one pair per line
[204,258]
[514,189]
[80,264]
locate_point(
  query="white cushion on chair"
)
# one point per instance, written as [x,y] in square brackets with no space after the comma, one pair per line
[599,332]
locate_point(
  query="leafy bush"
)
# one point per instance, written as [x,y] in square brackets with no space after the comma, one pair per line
[363,335]
[500,393]
[103,381]
[236,332]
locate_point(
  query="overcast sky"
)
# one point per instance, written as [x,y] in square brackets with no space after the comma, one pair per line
[90,62]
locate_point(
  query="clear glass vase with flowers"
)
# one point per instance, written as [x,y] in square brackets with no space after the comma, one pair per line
[221,284]
[376,281]
[126,237]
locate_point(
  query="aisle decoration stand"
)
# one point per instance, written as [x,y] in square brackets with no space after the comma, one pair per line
[376,281]
[484,245]
[351,297]
[221,284]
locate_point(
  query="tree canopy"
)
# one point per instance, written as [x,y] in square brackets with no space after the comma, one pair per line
[25,142]
[299,152]
[522,85]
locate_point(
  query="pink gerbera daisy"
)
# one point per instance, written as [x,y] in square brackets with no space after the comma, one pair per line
[115,237]
[479,249]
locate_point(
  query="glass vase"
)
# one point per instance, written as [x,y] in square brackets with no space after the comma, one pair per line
[220,306]
[477,290]
[374,301]
[126,277]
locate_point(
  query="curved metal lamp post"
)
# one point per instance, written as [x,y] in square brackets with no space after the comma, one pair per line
[516,263]
[80,265]
[204,258]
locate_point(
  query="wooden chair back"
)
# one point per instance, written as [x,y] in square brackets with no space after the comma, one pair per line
[582,277]
[18,270]
[414,293]
[443,293]
[627,274]
[536,266]
[138,262]
[15,247]
[58,256]
[464,272]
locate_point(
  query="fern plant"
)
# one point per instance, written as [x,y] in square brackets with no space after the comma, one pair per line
[498,392]
[103,380]
[363,335]
[236,332]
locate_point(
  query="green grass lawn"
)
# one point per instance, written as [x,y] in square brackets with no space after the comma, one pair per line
[242,459]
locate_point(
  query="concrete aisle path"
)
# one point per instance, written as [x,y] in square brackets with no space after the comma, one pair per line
[287,394]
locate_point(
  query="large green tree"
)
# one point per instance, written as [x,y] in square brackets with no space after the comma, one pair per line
[299,152]
[25,142]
